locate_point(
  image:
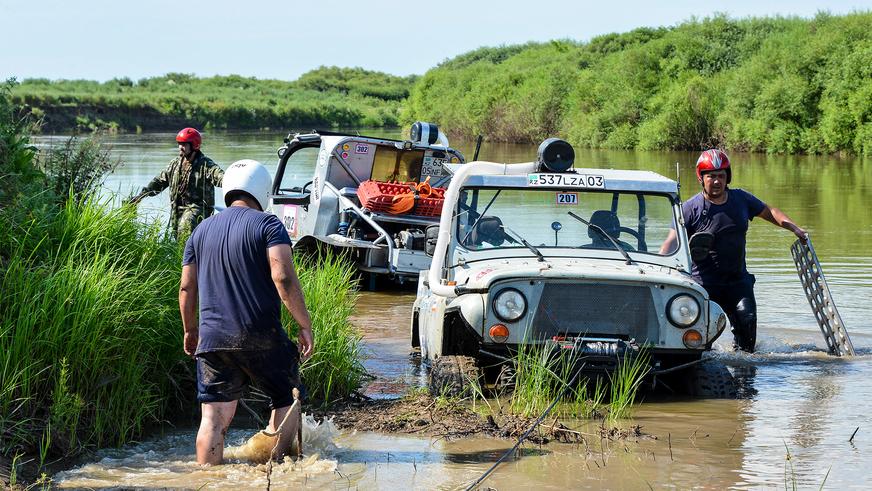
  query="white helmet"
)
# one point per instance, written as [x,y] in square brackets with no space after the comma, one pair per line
[249,176]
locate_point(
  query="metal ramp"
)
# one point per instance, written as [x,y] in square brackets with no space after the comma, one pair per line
[821,300]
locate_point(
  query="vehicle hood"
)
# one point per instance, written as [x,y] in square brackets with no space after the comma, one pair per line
[482,274]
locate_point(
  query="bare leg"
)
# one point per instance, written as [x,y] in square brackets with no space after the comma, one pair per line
[213,426]
[289,431]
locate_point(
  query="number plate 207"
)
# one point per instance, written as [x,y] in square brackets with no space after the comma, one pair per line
[566,180]
[567,198]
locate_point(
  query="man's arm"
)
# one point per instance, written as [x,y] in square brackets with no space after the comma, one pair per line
[156,186]
[669,244]
[778,217]
[188,306]
[281,264]
[214,174]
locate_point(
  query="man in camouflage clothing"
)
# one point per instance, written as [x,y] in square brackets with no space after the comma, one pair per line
[192,178]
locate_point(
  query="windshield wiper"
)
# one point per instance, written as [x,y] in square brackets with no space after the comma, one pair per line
[480,216]
[527,244]
[604,234]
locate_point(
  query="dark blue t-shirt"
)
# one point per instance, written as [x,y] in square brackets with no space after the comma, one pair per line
[240,308]
[729,223]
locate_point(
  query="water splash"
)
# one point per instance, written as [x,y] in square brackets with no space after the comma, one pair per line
[317,437]
[169,462]
[783,347]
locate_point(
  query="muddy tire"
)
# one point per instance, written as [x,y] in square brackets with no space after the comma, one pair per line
[712,380]
[451,375]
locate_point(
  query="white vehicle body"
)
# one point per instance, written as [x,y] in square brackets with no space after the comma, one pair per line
[326,209]
[586,296]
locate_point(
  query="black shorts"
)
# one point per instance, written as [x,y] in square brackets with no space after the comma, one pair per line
[223,376]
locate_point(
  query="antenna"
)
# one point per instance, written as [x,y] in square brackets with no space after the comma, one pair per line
[477,147]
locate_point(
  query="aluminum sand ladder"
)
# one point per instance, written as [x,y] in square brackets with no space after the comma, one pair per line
[821,300]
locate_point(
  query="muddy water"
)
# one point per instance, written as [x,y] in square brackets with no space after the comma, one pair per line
[799,400]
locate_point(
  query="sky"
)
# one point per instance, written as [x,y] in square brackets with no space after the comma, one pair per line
[101,40]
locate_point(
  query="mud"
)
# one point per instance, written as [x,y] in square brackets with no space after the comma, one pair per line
[421,414]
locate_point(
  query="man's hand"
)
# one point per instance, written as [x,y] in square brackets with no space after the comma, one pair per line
[188,307]
[133,200]
[800,233]
[305,343]
[191,339]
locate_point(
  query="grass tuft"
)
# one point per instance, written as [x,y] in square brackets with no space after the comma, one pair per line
[542,373]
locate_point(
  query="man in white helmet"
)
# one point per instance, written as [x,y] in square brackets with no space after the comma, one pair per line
[238,269]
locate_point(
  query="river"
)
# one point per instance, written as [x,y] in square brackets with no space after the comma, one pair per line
[800,401]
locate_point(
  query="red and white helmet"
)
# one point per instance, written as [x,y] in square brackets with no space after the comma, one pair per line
[190,135]
[712,160]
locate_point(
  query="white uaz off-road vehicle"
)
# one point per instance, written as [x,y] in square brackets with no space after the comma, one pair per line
[541,252]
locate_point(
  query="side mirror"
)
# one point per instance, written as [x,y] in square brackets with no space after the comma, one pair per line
[431,234]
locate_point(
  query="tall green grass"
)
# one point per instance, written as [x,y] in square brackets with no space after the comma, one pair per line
[90,334]
[335,368]
[90,337]
[542,374]
[88,328]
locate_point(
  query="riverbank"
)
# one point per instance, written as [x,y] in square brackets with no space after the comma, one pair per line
[325,97]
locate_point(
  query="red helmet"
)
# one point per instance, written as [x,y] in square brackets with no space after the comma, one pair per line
[712,160]
[190,135]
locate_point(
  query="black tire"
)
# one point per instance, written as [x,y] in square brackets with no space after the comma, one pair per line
[712,380]
[416,337]
[452,375]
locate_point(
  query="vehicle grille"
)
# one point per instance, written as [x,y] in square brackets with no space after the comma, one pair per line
[626,311]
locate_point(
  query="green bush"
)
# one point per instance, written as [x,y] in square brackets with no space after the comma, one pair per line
[759,84]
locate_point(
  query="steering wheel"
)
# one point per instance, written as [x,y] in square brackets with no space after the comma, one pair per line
[302,190]
[643,247]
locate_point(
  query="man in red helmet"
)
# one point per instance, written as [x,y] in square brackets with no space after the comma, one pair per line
[192,178]
[716,220]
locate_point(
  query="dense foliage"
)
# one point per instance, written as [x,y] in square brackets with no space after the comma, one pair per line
[90,334]
[327,96]
[760,84]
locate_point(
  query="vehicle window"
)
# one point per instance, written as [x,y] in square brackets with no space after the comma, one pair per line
[299,168]
[491,218]
[391,164]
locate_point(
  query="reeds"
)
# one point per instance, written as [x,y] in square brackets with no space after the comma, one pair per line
[90,335]
[88,328]
[542,373]
[335,368]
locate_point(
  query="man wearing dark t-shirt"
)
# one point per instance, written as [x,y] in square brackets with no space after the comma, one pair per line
[722,215]
[238,269]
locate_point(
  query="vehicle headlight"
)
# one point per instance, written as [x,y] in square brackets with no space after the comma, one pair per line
[510,304]
[682,310]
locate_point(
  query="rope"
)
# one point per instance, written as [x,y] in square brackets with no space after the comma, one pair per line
[404,203]
[278,433]
[529,430]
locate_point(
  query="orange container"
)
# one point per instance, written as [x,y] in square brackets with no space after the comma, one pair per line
[378,196]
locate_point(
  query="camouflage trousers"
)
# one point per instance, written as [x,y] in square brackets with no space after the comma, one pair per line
[183,221]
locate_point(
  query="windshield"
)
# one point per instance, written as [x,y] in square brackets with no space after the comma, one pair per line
[543,218]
